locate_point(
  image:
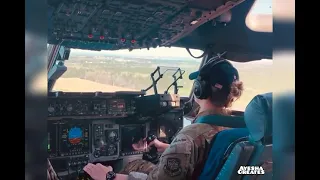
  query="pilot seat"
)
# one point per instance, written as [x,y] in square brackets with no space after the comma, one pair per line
[234,150]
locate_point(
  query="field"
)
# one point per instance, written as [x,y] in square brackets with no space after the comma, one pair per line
[111,73]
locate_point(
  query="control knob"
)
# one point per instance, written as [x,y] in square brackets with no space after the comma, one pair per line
[69,108]
[96,153]
[51,109]
[111,149]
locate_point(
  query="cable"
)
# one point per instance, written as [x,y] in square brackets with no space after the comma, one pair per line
[201,56]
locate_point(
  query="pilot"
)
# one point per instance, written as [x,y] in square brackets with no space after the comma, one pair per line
[184,158]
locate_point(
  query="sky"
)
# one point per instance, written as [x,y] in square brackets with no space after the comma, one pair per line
[260,7]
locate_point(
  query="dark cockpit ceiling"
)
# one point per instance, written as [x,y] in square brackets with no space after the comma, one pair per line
[122,24]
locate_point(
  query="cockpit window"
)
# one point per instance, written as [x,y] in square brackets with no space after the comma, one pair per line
[110,71]
[121,70]
[257,79]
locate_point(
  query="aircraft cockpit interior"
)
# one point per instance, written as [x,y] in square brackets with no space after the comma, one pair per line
[99,126]
[102,127]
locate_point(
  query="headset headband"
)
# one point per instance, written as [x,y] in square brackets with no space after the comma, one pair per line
[212,62]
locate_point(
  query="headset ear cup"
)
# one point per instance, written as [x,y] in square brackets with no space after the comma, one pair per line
[197,90]
[201,89]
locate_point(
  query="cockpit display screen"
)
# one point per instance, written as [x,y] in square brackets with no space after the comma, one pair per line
[116,105]
[74,139]
[132,135]
[75,135]
[162,132]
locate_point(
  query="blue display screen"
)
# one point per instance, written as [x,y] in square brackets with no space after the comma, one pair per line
[75,135]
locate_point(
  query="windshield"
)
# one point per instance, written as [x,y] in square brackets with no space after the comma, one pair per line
[110,71]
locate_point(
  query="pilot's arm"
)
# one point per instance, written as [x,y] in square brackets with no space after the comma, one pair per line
[176,162]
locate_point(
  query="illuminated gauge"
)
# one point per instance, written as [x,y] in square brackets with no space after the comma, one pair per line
[69,107]
[112,136]
[103,105]
[164,104]
[51,108]
[60,107]
[102,142]
[112,149]
[79,107]
[99,143]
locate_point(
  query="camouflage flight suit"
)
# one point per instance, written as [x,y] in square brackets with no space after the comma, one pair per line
[138,165]
[185,157]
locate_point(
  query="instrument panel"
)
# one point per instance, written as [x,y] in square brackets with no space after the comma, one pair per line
[106,141]
[73,107]
[94,104]
[97,127]
[120,106]
[103,139]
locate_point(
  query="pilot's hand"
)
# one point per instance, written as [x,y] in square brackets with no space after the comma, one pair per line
[98,171]
[140,146]
[161,147]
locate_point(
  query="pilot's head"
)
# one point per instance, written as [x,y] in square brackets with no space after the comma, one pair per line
[216,85]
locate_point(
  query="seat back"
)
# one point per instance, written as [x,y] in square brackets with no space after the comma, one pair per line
[221,146]
[284,129]
[256,151]
[258,117]
[237,147]
[222,142]
[261,157]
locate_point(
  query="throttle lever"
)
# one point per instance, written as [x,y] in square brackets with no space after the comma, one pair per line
[152,155]
[150,138]
[153,149]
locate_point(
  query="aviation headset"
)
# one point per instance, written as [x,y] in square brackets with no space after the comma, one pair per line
[202,88]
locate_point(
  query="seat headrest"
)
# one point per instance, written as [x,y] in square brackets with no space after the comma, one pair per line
[258,117]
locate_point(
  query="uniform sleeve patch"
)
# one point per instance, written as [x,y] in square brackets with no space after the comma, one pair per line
[173,167]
